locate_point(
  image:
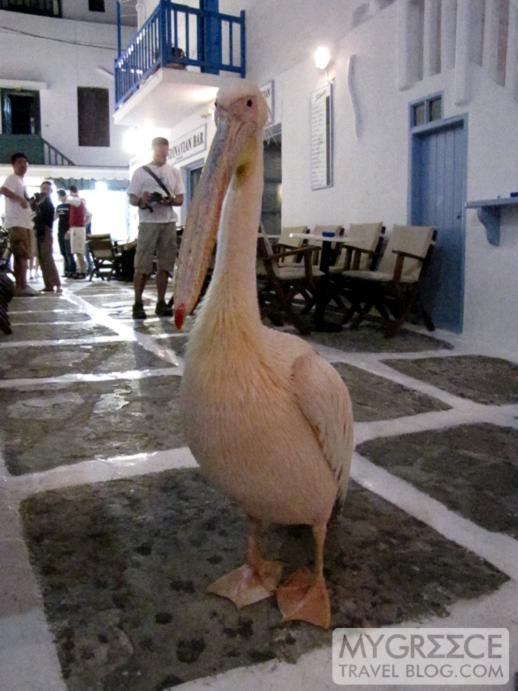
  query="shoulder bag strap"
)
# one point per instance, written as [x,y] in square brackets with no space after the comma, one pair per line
[157,179]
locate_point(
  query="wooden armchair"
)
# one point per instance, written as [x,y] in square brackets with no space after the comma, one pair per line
[393,288]
[279,283]
[286,243]
[105,257]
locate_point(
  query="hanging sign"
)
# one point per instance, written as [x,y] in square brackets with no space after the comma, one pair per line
[322,138]
[267,92]
[191,144]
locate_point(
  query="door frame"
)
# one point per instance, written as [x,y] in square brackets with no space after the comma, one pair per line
[414,134]
[6,93]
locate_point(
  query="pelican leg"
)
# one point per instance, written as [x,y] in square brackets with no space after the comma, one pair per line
[304,597]
[255,580]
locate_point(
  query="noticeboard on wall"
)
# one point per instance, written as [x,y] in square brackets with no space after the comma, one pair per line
[190,144]
[322,137]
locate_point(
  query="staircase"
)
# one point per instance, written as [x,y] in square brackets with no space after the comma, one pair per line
[38,150]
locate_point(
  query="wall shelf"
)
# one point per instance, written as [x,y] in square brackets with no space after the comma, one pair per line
[488,212]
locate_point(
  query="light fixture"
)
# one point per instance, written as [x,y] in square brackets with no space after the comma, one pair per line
[322,57]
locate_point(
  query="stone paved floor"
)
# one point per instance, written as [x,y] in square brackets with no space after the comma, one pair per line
[110,540]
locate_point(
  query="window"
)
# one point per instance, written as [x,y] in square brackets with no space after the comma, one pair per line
[20,111]
[93,109]
[48,8]
[96,5]
[426,111]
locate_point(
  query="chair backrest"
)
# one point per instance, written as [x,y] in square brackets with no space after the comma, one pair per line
[266,264]
[412,239]
[285,238]
[367,236]
[101,246]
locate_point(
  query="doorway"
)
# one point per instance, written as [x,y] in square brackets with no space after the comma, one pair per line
[438,195]
[20,112]
[272,194]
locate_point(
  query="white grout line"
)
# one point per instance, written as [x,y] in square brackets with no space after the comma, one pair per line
[86,340]
[499,549]
[135,374]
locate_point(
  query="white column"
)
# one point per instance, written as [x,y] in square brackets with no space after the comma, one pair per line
[404,73]
[491,30]
[511,63]
[462,43]
[431,43]
[448,26]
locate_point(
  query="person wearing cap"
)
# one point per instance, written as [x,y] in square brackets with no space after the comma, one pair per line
[155,189]
[18,221]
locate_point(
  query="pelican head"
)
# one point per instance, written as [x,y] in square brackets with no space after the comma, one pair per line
[241,113]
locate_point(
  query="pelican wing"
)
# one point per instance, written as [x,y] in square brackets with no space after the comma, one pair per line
[325,402]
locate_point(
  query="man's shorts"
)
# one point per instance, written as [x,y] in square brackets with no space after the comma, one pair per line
[155,240]
[78,240]
[20,240]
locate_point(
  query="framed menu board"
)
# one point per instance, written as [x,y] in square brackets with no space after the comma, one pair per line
[322,137]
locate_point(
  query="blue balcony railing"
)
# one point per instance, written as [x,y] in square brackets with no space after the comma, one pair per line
[180,36]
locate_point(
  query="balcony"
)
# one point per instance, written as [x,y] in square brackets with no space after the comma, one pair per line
[182,50]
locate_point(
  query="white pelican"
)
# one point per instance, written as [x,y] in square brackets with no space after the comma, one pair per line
[268,420]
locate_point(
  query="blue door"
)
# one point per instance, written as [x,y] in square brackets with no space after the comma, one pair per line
[438,194]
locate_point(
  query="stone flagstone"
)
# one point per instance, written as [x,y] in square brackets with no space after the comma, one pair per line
[124,567]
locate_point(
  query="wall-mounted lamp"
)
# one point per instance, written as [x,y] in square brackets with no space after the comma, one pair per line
[322,57]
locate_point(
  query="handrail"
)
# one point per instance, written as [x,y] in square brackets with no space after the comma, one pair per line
[177,35]
[53,156]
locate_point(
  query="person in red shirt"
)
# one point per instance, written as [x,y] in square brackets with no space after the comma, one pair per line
[77,231]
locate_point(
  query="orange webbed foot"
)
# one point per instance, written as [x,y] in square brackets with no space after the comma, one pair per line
[247,585]
[305,598]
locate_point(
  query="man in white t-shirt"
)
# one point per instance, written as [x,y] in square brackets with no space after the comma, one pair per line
[18,221]
[155,188]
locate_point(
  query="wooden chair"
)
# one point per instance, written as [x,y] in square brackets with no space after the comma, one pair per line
[279,284]
[286,243]
[105,257]
[393,288]
[362,249]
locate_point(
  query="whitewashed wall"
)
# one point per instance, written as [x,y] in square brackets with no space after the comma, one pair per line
[371,172]
[78,10]
[63,67]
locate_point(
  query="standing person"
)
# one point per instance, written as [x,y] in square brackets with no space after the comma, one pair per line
[77,232]
[88,230]
[43,220]
[155,188]
[33,259]
[18,221]
[62,215]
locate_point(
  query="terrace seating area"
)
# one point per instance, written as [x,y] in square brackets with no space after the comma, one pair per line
[357,273]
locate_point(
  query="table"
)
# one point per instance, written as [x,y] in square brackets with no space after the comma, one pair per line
[327,244]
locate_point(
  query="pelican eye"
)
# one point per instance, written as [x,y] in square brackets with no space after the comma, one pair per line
[249,103]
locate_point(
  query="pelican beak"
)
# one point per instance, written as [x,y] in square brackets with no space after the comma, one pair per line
[201,228]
